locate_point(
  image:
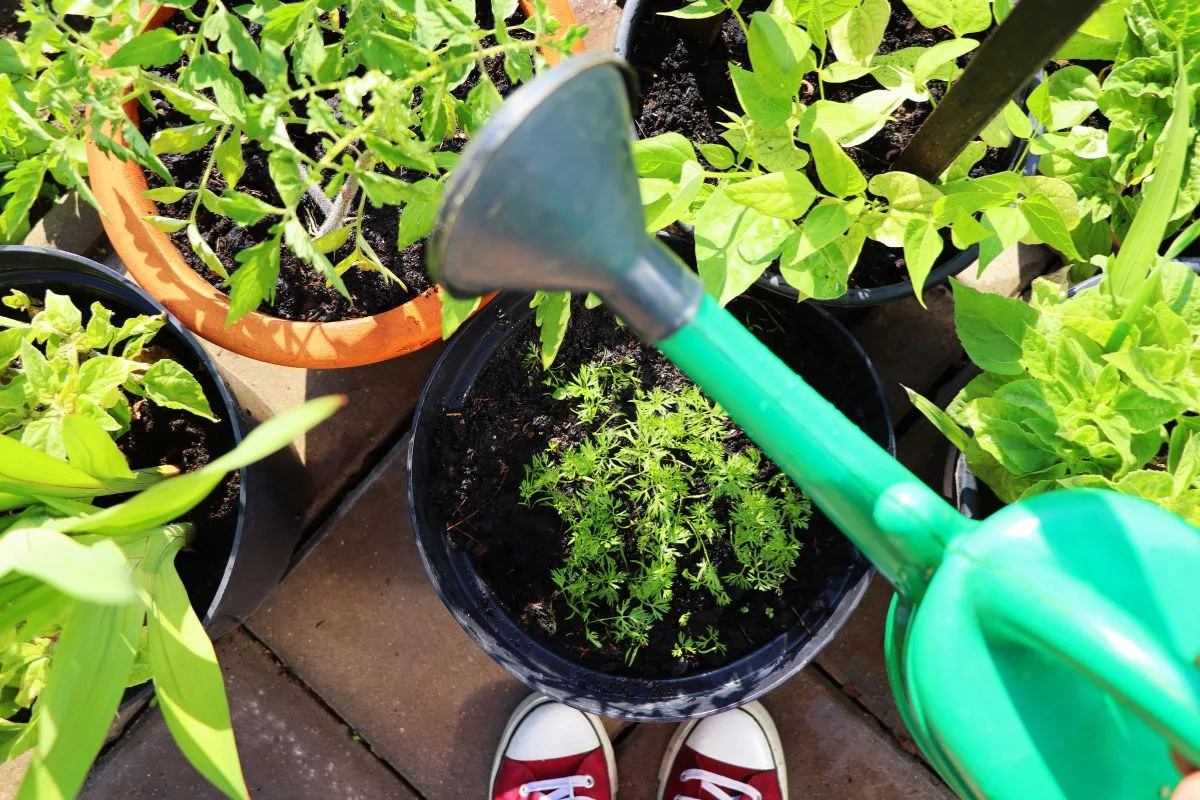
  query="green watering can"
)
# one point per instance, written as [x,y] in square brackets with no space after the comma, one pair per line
[1044,652]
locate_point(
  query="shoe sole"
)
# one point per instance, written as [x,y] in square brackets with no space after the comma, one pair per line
[756,710]
[522,711]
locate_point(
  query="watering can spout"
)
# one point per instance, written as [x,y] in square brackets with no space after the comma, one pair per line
[558,155]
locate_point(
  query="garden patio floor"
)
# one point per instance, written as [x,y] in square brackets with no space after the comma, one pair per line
[353,681]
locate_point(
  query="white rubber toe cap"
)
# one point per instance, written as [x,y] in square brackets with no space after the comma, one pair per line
[733,737]
[552,730]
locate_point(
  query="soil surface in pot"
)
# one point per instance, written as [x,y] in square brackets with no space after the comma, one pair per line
[685,85]
[480,452]
[301,294]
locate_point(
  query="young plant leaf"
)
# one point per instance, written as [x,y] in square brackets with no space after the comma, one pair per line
[456,311]
[992,328]
[837,171]
[169,385]
[154,48]
[786,195]
[922,246]
[761,98]
[553,314]
[204,252]
[857,35]
[940,419]
[254,281]
[91,449]
[734,244]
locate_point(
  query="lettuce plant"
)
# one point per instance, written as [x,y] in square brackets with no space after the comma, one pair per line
[648,487]
[1099,389]
[375,82]
[1103,131]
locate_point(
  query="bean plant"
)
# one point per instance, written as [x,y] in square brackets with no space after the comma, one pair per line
[379,83]
[1099,389]
[651,485]
[1103,128]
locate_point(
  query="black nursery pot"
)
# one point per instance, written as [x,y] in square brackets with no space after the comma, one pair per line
[962,487]
[948,266]
[539,667]
[248,568]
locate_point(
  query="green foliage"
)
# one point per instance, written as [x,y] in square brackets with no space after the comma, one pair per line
[1104,132]
[652,484]
[759,206]
[374,81]
[57,368]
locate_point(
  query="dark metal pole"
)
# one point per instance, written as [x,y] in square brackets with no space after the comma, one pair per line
[1028,38]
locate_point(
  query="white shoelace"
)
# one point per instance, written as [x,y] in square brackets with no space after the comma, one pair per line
[559,788]
[716,785]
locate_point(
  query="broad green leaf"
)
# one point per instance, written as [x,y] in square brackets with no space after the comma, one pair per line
[720,156]
[1018,121]
[170,499]
[932,13]
[244,209]
[205,253]
[838,173]
[285,174]
[922,246]
[188,683]
[229,160]
[92,573]
[182,139]
[933,59]
[822,274]
[1066,98]
[416,219]
[786,195]
[169,385]
[699,9]
[154,48]
[970,16]
[734,244]
[857,35]
[1007,225]
[456,311]
[992,328]
[677,202]
[553,314]
[384,190]
[166,224]
[662,156]
[852,123]
[780,53]
[825,223]
[92,450]
[940,419]
[905,191]
[1047,224]
[167,194]
[760,98]
[44,381]
[101,377]
[86,681]
[253,282]
[771,148]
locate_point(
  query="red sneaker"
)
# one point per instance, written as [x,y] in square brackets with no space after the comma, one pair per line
[735,755]
[550,751]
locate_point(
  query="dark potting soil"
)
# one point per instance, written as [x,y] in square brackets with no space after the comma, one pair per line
[683,70]
[301,294]
[479,455]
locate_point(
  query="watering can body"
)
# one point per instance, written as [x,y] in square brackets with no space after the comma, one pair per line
[1051,655]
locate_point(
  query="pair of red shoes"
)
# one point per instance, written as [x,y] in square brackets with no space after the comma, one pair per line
[550,751]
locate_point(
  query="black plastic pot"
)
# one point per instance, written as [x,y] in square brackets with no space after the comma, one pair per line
[267,528]
[947,267]
[962,487]
[472,603]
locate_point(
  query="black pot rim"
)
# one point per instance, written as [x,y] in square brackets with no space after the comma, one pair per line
[533,663]
[76,269]
[945,268]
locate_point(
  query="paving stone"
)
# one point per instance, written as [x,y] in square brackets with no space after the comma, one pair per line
[12,773]
[359,622]
[1012,271]
[70,224]
[601,17]
[832,750]
[291,747]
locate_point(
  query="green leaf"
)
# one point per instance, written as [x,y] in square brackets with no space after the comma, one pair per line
[824,224]
[169,385]
[662,156]
[253,282]
[44,381]
[285,174]
[1047,224]
[91,449]
[234,40]
[101,377]
[228,158]
[699,9]
[922,246]
[786,195]
[284,21]
[154,48]
[1018,121]
[780,52]
[933,59]
[244,209]
[932,13]
[182,139]
[303,246]
[204,252]
[456,311]
[857,35]
[837,171]
[1066,98]
[852,123]
[734,244]
[676,203]
[167,194]
[992,328]
[416,220]
[760,98]
[553,314]
[940,419]
[822,274]
[188,683]
[1007,226]
[167,224]
[970,16]
[92,573]
[86,681]
[171,499]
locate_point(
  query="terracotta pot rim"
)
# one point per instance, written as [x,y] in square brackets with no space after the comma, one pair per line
[157,264]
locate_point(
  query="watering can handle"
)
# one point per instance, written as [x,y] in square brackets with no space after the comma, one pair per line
[1061,615]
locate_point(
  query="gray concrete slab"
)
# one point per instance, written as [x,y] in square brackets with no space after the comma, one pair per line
[291,747]
[832,749]
[360,623]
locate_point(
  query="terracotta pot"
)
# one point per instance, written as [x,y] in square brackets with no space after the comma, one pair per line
[152,258]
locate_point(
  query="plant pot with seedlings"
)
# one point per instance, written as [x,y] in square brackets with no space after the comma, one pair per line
[771,133]
[269,173]
[1096,387]
[1103,123]
[606,534]
[131,520]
